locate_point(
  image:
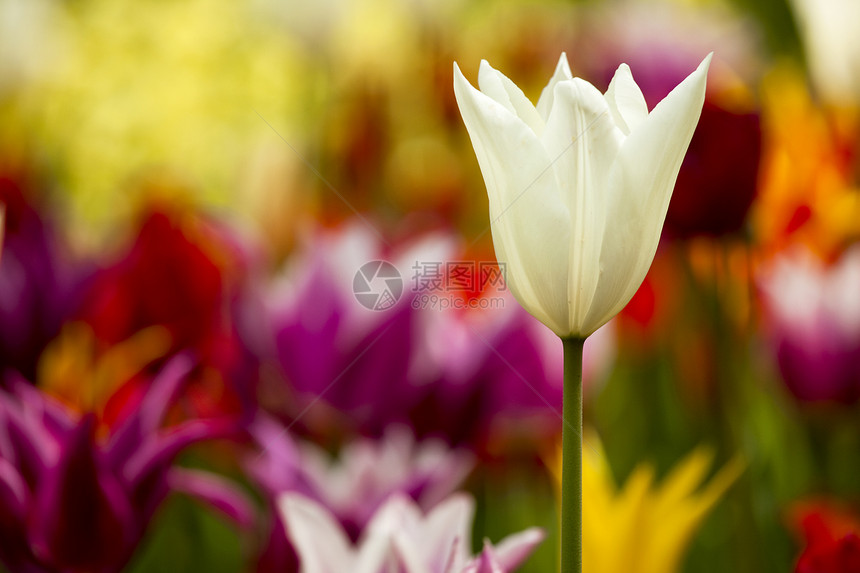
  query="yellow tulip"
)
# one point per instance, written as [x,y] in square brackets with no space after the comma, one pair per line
[653,522]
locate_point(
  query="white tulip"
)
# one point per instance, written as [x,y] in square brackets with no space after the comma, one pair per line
[829,32]
[399,537]
[578,186]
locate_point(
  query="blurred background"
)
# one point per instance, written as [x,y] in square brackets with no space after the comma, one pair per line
[188,188]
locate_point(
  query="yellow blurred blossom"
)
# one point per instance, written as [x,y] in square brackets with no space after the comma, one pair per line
[81,374]
[654,523]
[807,192]
[374,31]
[177,84]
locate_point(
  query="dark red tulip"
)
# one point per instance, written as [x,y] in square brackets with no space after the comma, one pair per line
[718,179]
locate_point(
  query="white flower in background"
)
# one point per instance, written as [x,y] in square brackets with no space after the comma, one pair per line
[812,301]
[832,42]
[367,472]
[578,186]
[813,323]
[400,537]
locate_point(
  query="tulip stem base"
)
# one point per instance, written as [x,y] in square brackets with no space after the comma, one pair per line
[571,465]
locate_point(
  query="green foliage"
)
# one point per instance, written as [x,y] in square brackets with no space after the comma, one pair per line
[186,537]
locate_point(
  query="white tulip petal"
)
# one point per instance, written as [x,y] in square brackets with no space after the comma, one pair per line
[514,549]
[499,87]
[318,538]
[375,553]
[641,184]
[408,556]
[582,142]
[425,544]
[491,85]
[562,73]
[396,516]
[626,101]
[528,218]
[449,524]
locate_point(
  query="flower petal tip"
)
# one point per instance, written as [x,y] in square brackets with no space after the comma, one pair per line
[563,65]
[460,82]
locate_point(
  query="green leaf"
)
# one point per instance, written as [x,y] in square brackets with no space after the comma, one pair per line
[186,536]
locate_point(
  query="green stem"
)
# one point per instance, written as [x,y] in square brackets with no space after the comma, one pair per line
[571,465]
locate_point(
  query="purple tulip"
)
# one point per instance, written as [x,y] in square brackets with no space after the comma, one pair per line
[39,288]
[814,325]
[347,366]
[496,373]
[463,374]
[70,501]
